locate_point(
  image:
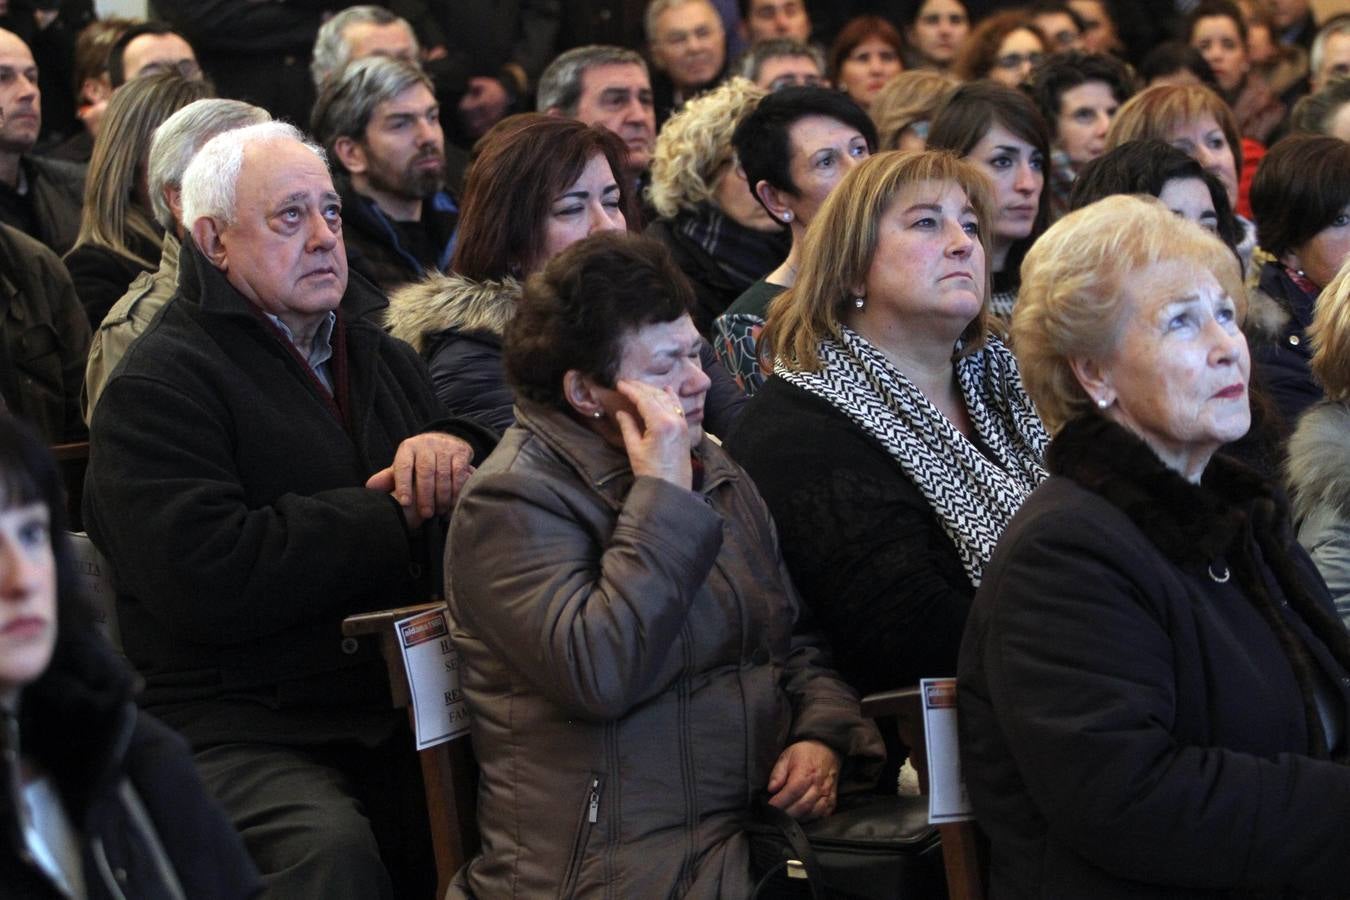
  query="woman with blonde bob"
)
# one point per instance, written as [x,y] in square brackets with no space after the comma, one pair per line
[720,235]
[1319,450]
[118,236]
[906,105]
[894,441]
[1153,684]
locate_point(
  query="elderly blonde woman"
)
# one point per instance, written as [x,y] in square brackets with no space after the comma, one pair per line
[720,235]
[906,106]
[1153,682]
[1319,451]
[893,442]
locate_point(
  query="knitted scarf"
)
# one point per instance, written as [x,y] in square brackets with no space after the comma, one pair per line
[974,496]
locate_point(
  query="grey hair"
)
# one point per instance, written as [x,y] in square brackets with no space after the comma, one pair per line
[657,7]
[1338,25]
[560,84]
[754,58]
[348,100]
[331,51]
[179,138]
[1314,112]
[211,179]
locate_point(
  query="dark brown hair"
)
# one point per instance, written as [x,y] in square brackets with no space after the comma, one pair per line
[1300,187]
[576,313]
[521,165]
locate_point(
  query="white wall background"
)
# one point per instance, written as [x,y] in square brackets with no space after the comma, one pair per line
[131,8]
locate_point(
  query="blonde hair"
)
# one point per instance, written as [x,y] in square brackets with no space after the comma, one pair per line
[695,144]
[1330,337]
[111,217]
[909,97]
[1074,279]
[842,240]
[1156,111]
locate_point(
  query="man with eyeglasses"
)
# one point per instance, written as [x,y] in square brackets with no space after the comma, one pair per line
[688,46]
[149,49]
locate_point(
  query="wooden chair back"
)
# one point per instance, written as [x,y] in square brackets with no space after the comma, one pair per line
[962,844]
[449,772]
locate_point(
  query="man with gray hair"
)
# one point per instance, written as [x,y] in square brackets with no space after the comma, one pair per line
[379,120]
[783,62]
[1330,55]
[176,141]
[358,32]
[261,466]
[603,85]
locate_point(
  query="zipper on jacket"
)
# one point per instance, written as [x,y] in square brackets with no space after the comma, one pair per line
[590,814]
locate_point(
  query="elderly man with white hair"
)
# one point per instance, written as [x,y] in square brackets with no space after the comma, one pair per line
[262,466]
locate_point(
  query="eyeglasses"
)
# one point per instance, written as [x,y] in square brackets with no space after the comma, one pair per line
[1018,60]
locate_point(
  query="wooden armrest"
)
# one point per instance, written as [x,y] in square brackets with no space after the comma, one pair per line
[902,702]
[77,450]
[382,620]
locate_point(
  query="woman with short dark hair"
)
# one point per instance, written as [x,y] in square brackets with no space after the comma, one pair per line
[1301,198]
[633,651]
[795,147]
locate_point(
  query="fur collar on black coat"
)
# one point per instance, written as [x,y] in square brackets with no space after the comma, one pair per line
[1231,519]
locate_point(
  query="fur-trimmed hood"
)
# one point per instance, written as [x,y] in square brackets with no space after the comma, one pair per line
[1319,460]
[419,311]
[1266,317]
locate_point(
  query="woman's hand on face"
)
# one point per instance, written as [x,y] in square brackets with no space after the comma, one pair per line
[657,437]
[804,782]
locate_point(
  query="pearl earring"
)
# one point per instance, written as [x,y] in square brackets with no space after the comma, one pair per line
[597,414]
[1103,403]
[859,302]
[787,216]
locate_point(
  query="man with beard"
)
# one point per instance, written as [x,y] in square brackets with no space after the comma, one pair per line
[380,123]
[40,197]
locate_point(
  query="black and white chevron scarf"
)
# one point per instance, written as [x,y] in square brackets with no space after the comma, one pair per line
[974,496]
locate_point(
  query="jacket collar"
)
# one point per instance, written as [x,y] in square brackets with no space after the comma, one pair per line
[602,465]
[205,285]
[1188,523]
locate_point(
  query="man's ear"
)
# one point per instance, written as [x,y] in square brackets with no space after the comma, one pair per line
[173,198]
[206,233]
[351,154]
[580,393]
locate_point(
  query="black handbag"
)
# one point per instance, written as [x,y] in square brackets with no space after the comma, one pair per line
[873,847]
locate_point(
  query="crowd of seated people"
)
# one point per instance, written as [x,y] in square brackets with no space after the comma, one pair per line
[717,364]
